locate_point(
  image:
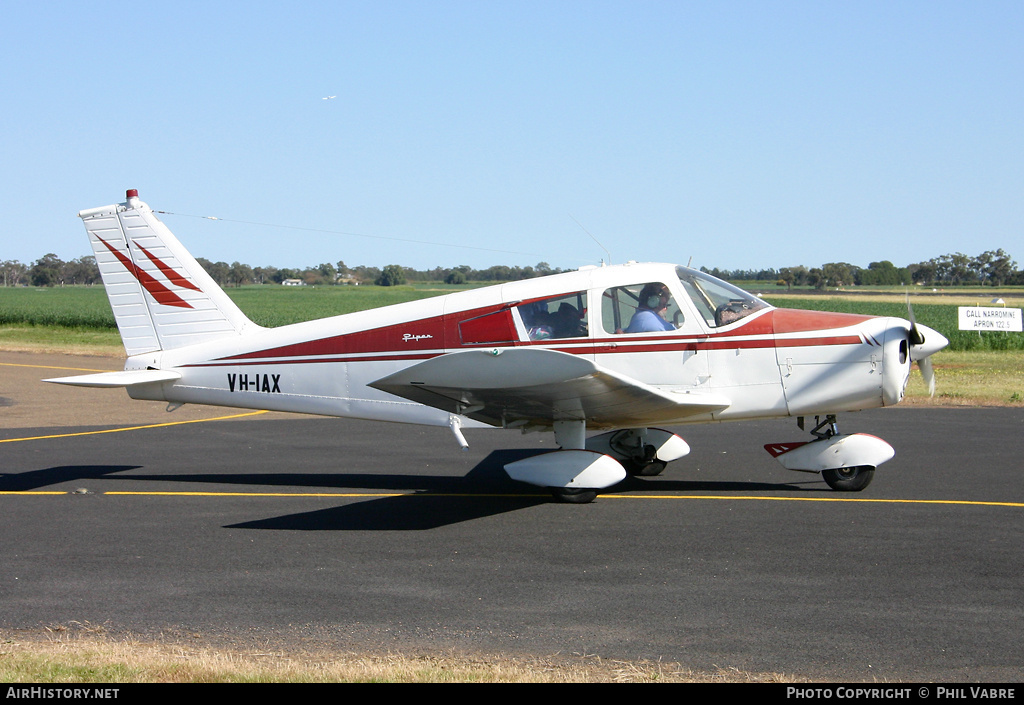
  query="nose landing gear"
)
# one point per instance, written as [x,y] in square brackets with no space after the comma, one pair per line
[846,462]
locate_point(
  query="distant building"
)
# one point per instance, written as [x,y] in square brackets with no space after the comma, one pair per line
[293,282]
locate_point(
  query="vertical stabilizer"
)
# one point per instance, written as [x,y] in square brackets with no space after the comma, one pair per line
[161,296]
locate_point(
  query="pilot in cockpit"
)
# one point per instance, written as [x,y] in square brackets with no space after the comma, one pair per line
[650,314]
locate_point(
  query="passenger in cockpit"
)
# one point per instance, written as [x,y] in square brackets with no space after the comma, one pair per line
[567,321]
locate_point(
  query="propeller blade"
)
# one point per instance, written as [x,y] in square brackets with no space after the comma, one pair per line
[928,374]
[915,337]
[920,352]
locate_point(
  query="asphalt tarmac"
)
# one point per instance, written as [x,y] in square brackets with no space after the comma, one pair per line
[366,536]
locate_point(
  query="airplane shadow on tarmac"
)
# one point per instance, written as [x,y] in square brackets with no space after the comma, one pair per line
[424,501]
[37,479]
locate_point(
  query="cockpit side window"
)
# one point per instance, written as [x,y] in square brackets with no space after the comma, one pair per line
[557,317]
[640,308]
[718,302]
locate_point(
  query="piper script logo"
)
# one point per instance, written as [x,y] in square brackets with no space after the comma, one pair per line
[157,289]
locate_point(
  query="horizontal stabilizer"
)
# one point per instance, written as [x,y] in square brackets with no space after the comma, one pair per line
[125,378]
[535,386]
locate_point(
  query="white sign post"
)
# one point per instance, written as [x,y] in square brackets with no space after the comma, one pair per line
[988,318]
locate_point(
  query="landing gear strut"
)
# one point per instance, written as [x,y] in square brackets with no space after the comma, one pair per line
[830,425]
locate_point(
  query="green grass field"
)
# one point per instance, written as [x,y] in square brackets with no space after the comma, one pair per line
[87,307]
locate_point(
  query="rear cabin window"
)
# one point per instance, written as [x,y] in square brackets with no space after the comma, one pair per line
[558,317]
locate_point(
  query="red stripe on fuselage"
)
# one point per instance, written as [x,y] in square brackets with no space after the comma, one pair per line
[441,333]
[436,332]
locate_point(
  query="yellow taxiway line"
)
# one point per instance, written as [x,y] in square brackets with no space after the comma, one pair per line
[52,367]
[131,428]
[469,495]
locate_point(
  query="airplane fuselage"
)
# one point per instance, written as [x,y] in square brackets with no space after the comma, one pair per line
[769,362]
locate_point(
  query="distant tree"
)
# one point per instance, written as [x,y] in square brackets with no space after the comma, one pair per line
[391,275]
[953,269]
[922,272]
[220,272]
[328,273]
[884,273]
[13,272]
[455,277]
[816,278]
[46,271]
[365,274]
[81,271]
[280,275]
[996,266]
[839,273]
[239,274]
[497,273]
[261,275]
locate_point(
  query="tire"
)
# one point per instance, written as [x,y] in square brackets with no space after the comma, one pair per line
[571,495]
[640,469]
[849,479]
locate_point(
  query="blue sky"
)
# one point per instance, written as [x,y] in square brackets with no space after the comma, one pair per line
[733,134]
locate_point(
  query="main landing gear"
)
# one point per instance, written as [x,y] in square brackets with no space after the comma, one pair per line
[585,466]
[846,462]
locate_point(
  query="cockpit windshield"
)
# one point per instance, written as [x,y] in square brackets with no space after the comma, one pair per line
[719,302]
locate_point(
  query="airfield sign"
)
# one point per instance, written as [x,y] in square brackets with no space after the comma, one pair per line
[990,318]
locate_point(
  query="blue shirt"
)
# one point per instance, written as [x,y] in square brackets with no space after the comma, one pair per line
[647,321]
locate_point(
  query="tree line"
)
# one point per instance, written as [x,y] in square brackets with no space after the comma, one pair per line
[990,268]
[52,271]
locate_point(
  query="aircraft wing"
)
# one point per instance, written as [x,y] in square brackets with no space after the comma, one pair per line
[535,387]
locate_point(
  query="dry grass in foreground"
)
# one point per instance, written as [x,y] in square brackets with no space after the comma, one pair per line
[60,655]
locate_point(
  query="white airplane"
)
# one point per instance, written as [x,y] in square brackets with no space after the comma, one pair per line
[618,349]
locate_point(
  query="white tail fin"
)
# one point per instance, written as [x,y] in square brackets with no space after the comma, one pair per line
[161,297]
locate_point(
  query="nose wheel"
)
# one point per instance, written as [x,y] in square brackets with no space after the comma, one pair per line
[849,479]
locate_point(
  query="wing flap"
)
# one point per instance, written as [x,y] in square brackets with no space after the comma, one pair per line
[534,386]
